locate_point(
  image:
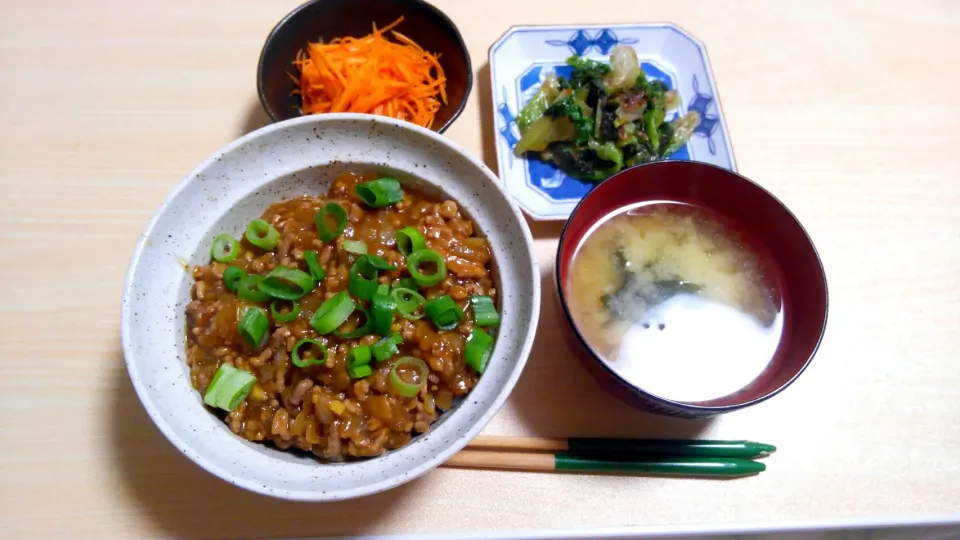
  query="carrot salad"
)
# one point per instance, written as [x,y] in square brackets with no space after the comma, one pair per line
[372,74]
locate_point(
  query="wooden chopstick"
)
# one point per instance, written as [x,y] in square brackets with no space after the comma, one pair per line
[530,444]
[515,461]
[658,465]
[684,457]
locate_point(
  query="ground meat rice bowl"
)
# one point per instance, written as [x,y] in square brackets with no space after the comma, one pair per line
[343,343]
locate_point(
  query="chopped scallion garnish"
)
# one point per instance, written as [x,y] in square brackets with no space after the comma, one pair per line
[426,256]
[359,372]
[313,265]
[229,387]
[225,248]
[386,347]
[382,307]
[305,357]
[407,283]
[359,356]
[284,316]
[253,326]
[484,312]
[361,329]
[249,289]
[478,349]
[287,283]
[444,312]
[357,247]
[409,240]
[409,303]
[413,368]
[330,211]
[231,278]
[263,235]
[380,263]
[358,360]
[363,278]
[332,313]
[380,193]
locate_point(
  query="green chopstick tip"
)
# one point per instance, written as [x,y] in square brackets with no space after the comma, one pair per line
[764,448]
[743,467]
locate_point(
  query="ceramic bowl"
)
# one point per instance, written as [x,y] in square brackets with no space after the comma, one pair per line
[328,19]
[235,185]
[764,221]
[520,60]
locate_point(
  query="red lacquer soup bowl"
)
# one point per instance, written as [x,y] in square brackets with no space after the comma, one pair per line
[758,220]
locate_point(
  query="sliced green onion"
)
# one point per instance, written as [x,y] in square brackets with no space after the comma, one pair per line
[225,248]
[410,240]
[249,289]
[386,347]
[478,349]
[356,247]
[359,356]
[300,359]
[409,302]
[210,397]
[229,388]
[330,211]
[444,312]
[332,313]
[383,288]
[313,265]
[484,312]
[238,388]
[253,327]
[231,278]
[359,372]
[284,316]
[419,375]
[380,193]
[287,283]
[380,263]
[407,283]
[424,256]
[263,235]
[358,360]
[382,307]
[360,330]
[363,278]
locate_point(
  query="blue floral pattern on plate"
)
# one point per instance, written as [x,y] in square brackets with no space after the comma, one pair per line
[580,42]
[525,55]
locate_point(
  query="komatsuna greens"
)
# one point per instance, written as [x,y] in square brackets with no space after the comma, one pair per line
[604,118]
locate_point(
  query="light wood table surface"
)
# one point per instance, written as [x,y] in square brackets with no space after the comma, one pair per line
[847,111]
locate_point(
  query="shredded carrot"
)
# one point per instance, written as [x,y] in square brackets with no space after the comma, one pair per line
[371,74]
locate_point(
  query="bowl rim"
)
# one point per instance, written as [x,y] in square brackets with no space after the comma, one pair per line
[458,38]
[212,466]
[666,403]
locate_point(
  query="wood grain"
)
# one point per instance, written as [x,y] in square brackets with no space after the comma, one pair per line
[516,461]
[847,111]
[518,444]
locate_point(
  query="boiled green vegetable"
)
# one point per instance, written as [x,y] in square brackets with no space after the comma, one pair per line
[603,118]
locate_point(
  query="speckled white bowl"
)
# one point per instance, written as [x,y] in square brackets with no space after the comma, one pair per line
[235,185]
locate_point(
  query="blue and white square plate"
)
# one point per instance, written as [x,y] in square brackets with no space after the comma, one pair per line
[524,55]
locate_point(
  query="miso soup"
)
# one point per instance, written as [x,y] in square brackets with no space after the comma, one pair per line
[676,301]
